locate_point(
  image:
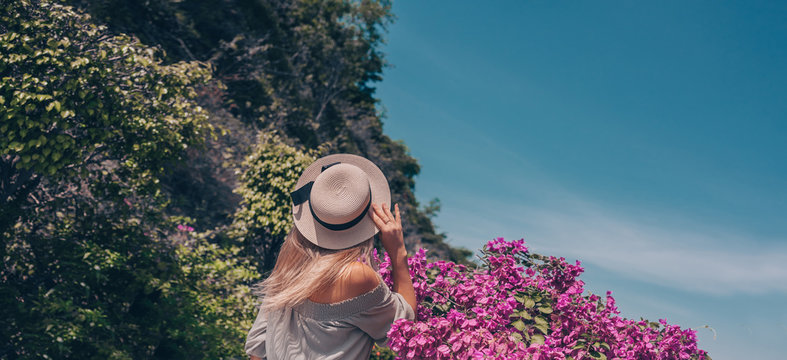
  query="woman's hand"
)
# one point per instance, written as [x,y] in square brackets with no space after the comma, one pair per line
[390,229]
[393,241]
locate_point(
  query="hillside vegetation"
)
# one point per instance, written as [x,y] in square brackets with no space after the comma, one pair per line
[300,71]
[147,151]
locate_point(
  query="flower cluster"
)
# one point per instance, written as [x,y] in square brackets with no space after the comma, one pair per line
[185,228]
[520,305]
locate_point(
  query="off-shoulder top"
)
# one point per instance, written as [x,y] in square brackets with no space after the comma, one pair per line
[315,331]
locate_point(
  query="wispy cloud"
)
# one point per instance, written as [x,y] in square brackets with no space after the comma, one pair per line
[687,257]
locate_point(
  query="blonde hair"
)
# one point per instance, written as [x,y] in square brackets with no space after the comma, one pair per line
[303,269]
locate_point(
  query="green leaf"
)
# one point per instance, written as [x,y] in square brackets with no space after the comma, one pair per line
[543,328]
[517,336]
[597,355]
[545,310]
[529,303]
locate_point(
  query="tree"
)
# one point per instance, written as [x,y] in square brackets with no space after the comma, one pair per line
[76,98]
[303,69]
[93,267]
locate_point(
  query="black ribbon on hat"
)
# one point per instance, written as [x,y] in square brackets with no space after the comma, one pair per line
[304,192]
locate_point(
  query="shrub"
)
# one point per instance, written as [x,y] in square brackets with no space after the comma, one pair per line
[265,214]
[520,305]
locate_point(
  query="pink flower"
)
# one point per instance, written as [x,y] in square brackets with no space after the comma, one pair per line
[471,313]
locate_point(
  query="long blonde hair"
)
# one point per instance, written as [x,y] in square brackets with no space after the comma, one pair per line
[303,269]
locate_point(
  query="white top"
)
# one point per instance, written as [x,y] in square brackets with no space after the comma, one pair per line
[314,331]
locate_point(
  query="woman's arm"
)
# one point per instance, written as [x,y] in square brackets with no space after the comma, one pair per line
[393,241]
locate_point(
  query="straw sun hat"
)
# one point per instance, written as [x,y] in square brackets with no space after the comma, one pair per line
[332,200]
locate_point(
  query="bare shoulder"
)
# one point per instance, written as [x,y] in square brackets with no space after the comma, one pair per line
[358,279]
[361,278]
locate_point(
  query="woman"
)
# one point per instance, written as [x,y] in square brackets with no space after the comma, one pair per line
[323,300]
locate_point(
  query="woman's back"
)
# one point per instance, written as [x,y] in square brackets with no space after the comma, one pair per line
[339,323]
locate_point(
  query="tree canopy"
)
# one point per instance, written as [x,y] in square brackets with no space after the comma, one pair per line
[304,70]
[93,266]
[75,97]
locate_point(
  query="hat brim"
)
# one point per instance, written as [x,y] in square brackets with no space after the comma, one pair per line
[364,229]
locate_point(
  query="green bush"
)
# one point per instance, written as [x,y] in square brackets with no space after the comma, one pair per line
[92,267]
[74,96]
[265,214]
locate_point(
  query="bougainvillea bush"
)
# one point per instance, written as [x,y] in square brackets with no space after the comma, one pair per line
[520,305]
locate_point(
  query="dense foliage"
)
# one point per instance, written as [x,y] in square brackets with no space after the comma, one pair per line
[520,305]
[92,266]
[74,97]
[262,221]
[303,69]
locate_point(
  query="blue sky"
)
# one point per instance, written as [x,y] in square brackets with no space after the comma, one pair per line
[646,139]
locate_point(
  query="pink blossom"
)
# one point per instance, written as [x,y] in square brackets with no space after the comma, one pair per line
[518,305]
